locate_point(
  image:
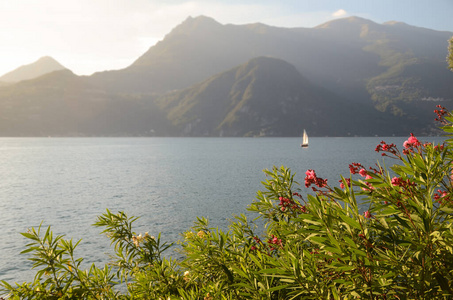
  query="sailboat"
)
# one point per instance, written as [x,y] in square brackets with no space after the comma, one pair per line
[304,140]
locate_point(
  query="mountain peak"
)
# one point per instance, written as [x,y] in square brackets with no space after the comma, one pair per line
[346,22]
[193,23]
[201,19]
[47,59]
[395,23]
[43,65]
[271,65]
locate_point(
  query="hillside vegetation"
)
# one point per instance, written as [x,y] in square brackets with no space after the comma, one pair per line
[209,79]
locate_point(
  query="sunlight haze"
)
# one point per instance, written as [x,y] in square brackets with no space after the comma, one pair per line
[89,36]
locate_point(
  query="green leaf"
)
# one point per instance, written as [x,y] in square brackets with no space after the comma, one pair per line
[358,252]
[279,287]
[334,250]
[402,221]
[320,240]
[227,272]
[350,221]
[350,241]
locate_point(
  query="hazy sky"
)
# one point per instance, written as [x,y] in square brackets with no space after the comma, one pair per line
[96,35]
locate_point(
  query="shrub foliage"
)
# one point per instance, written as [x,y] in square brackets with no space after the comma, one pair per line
[381,233]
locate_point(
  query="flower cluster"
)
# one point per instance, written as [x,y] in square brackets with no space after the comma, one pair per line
[348,182]
[440,112]
[286,204]
[439,147]
[441,196]
[369,187]
[311,178]
[389,148]
[274,241]
[397,181]
[202,234]
[297,194]
[363,173]
[139,238]
[355,168]
[258,242]
[411,142]
[273,244]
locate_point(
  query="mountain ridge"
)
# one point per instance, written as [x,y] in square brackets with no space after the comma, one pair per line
[265,96]
[43,65]
[381,73]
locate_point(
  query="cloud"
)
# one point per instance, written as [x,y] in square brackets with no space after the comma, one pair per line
[339,13]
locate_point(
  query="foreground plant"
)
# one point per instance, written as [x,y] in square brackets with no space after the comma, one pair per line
[378,234]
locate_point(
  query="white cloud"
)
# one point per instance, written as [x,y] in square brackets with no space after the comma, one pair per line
[339,13]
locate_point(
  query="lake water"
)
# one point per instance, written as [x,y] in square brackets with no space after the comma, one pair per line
[168,182]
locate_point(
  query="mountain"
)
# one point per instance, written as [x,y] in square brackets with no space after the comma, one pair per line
[394,66]
[342,55]
[265,97]
[349,76]
[40,67]
[64,104]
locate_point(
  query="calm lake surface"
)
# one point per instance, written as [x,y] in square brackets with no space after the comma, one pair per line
[168,182]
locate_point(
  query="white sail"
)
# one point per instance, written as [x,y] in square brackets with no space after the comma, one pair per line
[304,140]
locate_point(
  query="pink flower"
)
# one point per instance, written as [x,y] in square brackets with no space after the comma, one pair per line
[369,189]
[311,175]
[367,214]
[396,181]
[412,141]
[441,195]
[439,147]
[363,172]
[348,182]
[321,182]
[440,113]
[384,147]
[311,178]
[275,241]
[354,168]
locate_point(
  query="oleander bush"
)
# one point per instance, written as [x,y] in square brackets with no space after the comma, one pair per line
[380,233]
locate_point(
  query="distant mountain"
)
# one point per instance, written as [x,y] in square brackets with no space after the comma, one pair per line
[266,97]
[208,79]
[342,55]
[40,67]
[64,104]
[394,66]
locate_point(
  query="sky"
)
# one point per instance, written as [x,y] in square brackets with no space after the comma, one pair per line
[88,36]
